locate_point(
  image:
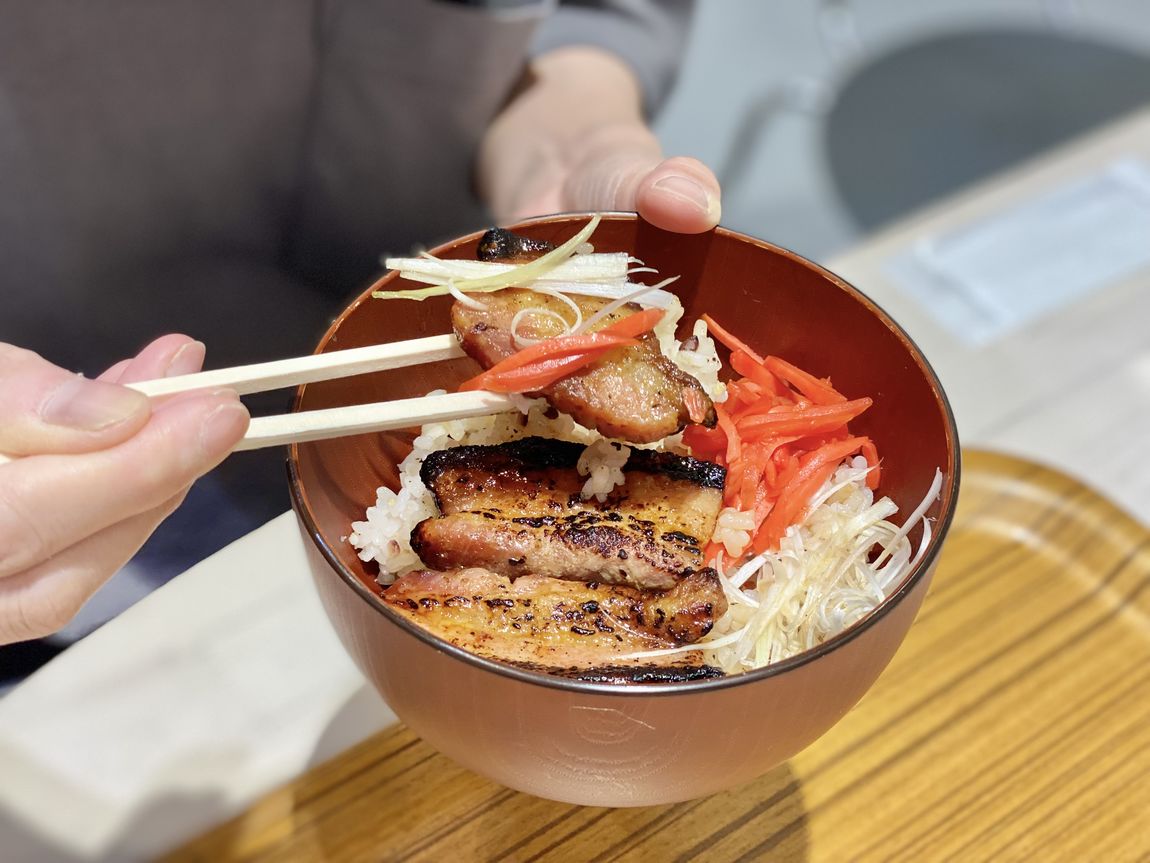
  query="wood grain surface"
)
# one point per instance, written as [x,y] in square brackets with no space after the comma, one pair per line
[1012,725]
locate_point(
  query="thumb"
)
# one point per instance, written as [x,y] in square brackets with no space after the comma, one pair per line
[678,194]
[45,408]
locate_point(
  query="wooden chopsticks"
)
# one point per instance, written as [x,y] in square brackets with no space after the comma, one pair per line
[259,377]
[377,416]
[336,422]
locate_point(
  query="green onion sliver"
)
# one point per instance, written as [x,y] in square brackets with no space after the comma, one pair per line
[521,275]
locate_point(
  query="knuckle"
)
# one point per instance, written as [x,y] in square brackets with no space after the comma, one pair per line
[157,477]
[12,356]
[16,363]
[35,618]
[171,504]
[23,540]
[29,610]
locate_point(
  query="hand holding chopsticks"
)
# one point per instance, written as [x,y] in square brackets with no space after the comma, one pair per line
[336,422]
[353,419]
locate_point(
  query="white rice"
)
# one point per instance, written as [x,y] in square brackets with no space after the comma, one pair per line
[384,536]
[602,463]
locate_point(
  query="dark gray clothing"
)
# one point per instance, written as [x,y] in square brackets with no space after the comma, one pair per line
[234,168]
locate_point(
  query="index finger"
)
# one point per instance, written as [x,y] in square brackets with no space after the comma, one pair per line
[167,356]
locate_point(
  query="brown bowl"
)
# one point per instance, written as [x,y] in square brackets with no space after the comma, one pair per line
[599,744]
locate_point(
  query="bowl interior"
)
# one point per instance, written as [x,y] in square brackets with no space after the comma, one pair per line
[776,301]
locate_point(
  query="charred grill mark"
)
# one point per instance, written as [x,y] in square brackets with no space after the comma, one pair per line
[650,674]
[500,244]
[630,674]
[704,474]
[537,521]
[679,536]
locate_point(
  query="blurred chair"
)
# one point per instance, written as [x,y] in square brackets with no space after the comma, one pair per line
[917,123]
[903,126]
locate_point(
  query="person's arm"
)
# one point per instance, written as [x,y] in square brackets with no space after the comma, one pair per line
[98,467]
[575,138]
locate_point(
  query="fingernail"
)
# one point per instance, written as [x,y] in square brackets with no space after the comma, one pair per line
[91,405]
[222,428]
[688,190]
[189,359]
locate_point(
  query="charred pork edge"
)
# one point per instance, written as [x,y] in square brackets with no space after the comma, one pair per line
[625,674]
[500,244]
[539,453]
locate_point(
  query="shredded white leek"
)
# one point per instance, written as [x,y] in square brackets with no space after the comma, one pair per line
[626,298]
[571,304]
[656,298]
[540,311]
[610,267]
[537,311]
[463,298]
[520,275]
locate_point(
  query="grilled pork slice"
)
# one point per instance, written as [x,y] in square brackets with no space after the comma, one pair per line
[516,507]
[633,393]
[555,623]
[587,547]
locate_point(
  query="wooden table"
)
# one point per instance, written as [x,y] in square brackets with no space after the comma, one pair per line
[1012,725]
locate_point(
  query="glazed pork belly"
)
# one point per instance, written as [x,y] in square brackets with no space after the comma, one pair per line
[552,623]
[516,508]
[632,393]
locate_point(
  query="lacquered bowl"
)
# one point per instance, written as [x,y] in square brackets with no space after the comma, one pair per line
[599,744]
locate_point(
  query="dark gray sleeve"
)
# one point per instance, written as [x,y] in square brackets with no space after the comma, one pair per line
[649,35]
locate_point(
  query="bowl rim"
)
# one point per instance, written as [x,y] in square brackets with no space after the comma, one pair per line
[948,495]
